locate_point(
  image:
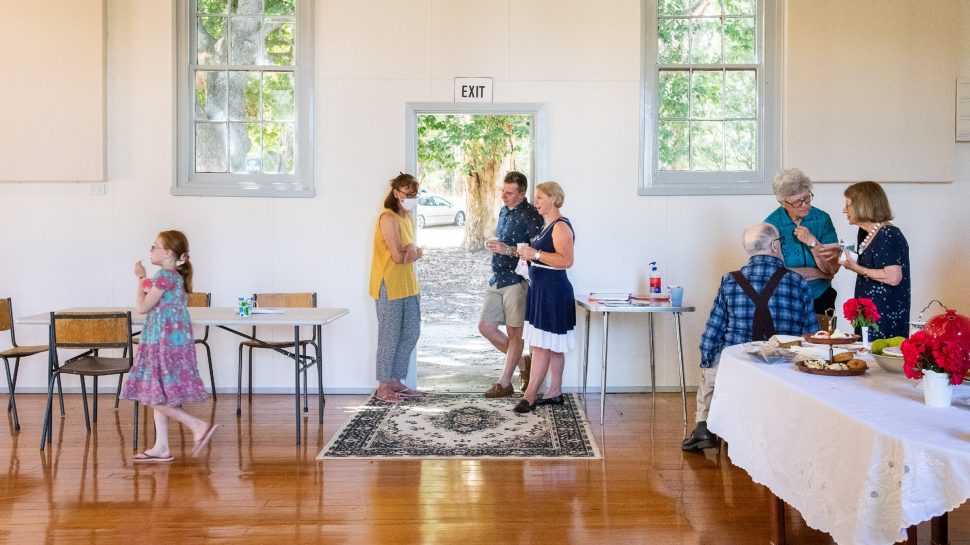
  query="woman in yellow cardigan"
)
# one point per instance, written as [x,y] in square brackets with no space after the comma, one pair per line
[394,286]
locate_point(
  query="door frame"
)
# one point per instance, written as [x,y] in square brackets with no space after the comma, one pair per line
[540,133]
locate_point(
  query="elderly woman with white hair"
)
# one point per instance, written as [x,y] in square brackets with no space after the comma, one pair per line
[805,233]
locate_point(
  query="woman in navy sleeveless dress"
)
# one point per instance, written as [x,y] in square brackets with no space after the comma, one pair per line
[550,309]
[883,260]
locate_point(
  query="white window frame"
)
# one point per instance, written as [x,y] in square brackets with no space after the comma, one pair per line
[770,21]
[189,182]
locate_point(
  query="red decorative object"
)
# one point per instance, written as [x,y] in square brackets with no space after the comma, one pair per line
[942,346]
[949,326]
[861,312]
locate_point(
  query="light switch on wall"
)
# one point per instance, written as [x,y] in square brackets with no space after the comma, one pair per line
[97,189]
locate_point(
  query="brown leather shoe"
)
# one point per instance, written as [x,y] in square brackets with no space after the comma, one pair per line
[497,390]
[524,374]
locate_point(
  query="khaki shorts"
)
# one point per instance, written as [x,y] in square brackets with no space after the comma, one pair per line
[505,305]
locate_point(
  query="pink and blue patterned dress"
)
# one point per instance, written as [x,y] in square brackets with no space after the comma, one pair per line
[165,371]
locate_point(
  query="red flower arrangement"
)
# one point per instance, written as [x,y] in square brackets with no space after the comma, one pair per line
[861,312]
[923,352]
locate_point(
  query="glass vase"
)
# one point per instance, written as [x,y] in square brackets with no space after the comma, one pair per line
[865,337]
[937,390]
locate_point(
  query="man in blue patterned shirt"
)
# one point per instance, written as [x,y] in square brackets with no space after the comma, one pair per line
[762,299]
[518,222]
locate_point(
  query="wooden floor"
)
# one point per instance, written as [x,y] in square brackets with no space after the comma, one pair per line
[255,485]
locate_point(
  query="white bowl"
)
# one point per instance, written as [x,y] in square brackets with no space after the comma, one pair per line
[893,364]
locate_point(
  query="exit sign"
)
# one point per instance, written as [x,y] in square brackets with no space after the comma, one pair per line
[473,89]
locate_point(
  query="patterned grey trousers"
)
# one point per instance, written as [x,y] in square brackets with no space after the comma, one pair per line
[398,329]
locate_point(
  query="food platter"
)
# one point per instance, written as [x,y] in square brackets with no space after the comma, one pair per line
[830,372]
[828,340]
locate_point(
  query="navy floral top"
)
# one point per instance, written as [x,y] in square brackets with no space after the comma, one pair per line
[519,224]
[887,247]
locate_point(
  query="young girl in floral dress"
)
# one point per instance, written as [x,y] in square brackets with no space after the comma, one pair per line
[165,374]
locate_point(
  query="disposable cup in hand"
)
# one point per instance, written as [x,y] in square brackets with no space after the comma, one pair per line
[676,296]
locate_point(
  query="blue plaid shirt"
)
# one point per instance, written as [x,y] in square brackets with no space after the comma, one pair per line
[519,224]
[732,316]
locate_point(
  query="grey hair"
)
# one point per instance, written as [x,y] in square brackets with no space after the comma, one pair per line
[790,182]
[758,238]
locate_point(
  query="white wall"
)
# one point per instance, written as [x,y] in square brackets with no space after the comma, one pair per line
[64,247]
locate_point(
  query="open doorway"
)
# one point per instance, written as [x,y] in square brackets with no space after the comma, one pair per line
[460,154]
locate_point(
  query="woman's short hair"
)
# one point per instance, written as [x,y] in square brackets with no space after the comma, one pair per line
[790,182]
[869,202]
[402,182]
[554,190]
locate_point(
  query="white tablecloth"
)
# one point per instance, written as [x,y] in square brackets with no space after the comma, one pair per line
[862,458]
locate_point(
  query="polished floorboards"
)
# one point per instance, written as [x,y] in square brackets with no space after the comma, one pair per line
[255,485]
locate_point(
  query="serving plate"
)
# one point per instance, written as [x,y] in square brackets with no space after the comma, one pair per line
[829,372]
[826,340]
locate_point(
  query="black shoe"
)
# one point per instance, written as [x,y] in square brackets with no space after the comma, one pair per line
[558,400]
[525,407]
[700,439]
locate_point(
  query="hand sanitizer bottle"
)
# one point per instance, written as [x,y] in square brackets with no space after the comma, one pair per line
[655,283]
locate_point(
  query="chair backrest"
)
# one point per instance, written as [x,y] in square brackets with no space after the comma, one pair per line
[6,314]
[200,299]
[286,300]
[91,330]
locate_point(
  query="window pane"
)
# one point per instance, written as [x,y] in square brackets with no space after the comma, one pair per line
[739,41]
[278,44]
[210,147]
[740,140]
[710,8]
[705,94]
[280,7]
[740,94]
[243,96]
[674,148]
[739,7]
[244,149]
[210,95]
[278,96]
[672,41]
[211,41]
[705,44]
[244,40]
[247,7]
[278,148]
[211,6]
[706,145]
[673,87]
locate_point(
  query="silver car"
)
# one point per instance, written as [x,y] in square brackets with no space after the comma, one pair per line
[434,210]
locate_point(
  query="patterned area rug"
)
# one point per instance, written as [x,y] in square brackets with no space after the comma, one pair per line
[447,425]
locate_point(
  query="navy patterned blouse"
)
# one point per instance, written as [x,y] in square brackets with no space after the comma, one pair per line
[887,247]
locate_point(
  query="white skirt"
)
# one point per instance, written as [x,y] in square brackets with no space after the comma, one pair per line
[538,338]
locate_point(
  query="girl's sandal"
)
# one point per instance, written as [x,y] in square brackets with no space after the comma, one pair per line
[393,397]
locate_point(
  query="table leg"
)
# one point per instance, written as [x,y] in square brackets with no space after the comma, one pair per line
[776,519]
[606,342]
[680,359]
[296,384]
[939,531]
[319,348]
[586,353]
[653,357]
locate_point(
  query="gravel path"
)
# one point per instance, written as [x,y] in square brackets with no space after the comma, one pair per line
[452,355]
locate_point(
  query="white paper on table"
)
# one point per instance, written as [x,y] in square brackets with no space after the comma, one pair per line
[262,310]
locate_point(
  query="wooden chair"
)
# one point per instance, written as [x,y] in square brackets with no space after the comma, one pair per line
[16,352]
[196,299]
[91,332]
[276,300]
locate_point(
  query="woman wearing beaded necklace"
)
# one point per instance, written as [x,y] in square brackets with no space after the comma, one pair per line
[883,258]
